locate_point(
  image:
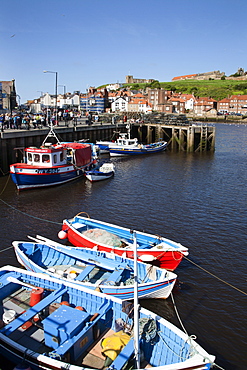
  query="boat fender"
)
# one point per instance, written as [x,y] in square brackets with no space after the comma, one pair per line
[62,234]
[9,316]
[147,258]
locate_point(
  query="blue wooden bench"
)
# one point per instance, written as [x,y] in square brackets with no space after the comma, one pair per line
[115,276]
[82,276]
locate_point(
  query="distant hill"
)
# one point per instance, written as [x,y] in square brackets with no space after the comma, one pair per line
[216,89]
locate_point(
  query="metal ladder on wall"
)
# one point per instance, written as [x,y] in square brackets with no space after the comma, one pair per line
[204,138]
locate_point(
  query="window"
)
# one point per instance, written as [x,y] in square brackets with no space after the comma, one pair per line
[29,157]
[36,157]
[55,158]
[45,158]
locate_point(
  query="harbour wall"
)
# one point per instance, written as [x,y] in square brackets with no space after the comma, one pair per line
[179,136]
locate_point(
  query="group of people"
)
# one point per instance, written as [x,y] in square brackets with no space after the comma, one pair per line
[27,121]
[19,121]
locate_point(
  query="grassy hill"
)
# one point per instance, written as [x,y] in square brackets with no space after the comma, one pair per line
[216,89]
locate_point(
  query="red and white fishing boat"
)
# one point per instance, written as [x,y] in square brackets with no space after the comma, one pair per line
[51,164]
[102,236]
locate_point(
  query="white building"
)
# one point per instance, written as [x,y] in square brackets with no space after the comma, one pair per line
[120,104]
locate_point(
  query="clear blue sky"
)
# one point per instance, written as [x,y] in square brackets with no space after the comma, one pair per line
[93,42]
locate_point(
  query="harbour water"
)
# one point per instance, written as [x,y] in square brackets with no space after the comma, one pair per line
[199,200]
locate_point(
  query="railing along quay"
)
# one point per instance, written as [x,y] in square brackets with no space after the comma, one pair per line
[180,134]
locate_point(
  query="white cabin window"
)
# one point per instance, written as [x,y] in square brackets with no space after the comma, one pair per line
[45,158]
[36,157]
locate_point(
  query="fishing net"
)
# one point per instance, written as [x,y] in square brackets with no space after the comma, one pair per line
[147,328]
[103,237]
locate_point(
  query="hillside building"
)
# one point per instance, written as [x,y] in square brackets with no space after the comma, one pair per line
[131,80]
[214,75]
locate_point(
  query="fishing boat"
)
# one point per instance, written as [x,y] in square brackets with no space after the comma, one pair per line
[122,140]
[101,171]
[102,236]
[107,272]
[51,164]
[52,324]
[123,148]
[124,145]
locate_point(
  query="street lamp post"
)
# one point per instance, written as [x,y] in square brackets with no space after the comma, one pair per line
[56,73]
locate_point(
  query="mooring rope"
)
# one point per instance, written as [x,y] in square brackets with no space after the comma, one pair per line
[216,277]
[60,223]
[27,214]
[191,337]
[24,213]
[5,185]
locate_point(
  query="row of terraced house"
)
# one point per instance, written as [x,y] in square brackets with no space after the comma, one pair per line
[126,100]
[160,100]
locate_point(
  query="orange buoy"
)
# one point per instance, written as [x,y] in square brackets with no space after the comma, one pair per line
[36,296]
[80,308]
[64,303]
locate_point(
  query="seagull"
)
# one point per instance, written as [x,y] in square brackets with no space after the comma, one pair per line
[13,35]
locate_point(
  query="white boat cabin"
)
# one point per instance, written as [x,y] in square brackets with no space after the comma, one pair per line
[124,141]
[46,156]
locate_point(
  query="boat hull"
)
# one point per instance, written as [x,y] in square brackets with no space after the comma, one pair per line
[98,176]
[160,286]
[138,150]
[28,178]
[168,256]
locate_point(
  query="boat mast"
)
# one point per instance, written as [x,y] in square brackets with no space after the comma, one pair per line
[51,133]
[128,130]
[136,305]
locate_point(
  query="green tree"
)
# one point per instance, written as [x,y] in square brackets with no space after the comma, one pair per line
[155,84]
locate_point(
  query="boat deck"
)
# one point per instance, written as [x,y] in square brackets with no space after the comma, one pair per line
[31,333]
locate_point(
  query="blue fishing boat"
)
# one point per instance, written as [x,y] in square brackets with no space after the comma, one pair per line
[106,272]
[121,149]
[53,324]
[124,145]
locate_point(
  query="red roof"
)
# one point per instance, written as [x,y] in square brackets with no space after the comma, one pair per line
[183,77]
